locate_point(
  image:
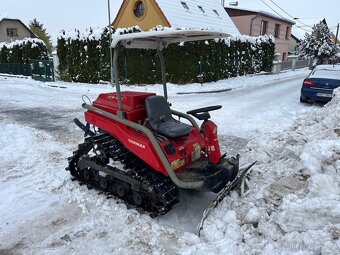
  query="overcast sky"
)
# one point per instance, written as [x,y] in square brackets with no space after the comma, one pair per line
[68,14]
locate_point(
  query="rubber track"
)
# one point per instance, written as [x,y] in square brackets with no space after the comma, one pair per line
[157,187]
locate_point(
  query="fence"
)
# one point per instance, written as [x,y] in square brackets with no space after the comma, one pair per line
[15,69]
[302,63]
[286,65]
[290,65]
[41,70]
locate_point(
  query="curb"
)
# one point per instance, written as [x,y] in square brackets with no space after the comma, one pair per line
[229,89]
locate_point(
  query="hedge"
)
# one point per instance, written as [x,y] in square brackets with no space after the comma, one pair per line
[84,57]
[20,51]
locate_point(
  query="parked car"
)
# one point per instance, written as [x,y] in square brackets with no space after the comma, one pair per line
[320,83]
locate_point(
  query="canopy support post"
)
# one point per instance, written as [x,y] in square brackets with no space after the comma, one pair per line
[117,50]
[161,58]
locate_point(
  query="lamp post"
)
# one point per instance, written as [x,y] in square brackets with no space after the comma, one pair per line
[337,33]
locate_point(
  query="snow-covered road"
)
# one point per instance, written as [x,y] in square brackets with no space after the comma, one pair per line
[43,212]
[252,111]
[247,113]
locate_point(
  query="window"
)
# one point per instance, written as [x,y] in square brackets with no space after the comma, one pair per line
[185,6]
[12,32]
[277,31]
[284,56]
[139,9]
[216,12]
[287,33]
[201,8]
[263,29]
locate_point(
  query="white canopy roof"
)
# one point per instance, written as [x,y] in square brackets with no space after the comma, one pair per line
[161,39]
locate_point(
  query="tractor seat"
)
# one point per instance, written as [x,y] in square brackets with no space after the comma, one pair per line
[160,119]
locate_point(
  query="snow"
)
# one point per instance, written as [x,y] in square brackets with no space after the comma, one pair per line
[326,74]
[174,13]
[33,41]
[304,26]
[43,212]
[92,34]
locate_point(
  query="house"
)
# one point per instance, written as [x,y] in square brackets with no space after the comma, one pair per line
[297,35]
[195,14]
[293,43]
[256,23]
[14,29]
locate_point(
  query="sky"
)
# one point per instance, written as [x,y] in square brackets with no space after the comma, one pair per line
[69,14]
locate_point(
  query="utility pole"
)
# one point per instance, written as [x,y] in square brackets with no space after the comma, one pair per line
[337,33]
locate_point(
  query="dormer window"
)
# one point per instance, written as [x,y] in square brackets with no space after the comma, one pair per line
[185,6]
[216,12]
[201,8]
[139,9]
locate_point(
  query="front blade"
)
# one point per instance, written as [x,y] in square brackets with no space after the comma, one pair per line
[224,192]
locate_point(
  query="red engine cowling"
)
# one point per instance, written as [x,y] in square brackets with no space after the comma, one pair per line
[209,130]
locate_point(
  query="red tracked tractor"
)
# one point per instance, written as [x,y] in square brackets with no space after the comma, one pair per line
[139,150]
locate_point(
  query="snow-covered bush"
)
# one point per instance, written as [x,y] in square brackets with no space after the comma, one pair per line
[318,45]
[20,51]
[84,57]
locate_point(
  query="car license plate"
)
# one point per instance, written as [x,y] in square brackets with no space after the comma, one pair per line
[324,95]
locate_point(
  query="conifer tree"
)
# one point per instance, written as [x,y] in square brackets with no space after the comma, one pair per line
[38,29]
[318,45]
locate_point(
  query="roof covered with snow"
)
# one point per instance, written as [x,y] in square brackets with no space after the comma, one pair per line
[199,14]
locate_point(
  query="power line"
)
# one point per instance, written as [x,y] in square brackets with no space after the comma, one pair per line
[273,9]
[289,14]
[282,16]
[330,27]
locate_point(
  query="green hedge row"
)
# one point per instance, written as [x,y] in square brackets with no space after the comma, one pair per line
[84,57]
[20,51]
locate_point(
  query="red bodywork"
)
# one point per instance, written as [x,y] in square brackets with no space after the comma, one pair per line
[180,152]
[209,130]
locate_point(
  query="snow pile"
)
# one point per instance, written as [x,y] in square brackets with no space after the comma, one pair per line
[306,220]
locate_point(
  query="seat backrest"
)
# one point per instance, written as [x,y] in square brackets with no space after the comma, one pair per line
[157,108]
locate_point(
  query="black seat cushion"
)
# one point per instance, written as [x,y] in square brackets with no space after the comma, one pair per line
[160,118]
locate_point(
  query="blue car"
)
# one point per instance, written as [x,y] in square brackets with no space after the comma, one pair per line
[320,83]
